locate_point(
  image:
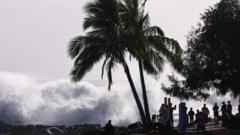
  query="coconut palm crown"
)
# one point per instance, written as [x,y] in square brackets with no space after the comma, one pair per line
[104,40]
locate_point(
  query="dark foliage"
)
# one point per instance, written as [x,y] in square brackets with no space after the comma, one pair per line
[177,89]
[212,58]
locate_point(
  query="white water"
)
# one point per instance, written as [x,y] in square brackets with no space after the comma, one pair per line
[25,100]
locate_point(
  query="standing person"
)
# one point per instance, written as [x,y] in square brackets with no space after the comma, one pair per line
[215,113]
[224,113]
[205,112]
[109,129]
[171,109]
[191,116]
[215,110]
[164,112]
[224,108]
[229,108]
[200,121]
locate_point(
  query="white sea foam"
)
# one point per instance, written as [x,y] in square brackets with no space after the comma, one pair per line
[24,100]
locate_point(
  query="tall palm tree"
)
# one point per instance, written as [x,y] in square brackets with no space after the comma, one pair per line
[105,39]
[113,29]
[147,44]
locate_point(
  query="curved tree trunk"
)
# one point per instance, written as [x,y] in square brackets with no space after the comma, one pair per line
[144,92]
[134,91]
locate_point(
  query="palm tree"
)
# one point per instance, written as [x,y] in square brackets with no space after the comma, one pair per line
[147,44]
[105,39]
[114,29]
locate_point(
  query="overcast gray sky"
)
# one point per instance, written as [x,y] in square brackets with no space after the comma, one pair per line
[34,33]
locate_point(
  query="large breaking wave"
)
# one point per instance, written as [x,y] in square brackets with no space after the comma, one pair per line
[25,100]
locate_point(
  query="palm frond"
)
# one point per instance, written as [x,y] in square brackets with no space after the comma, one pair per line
[101,14]
[85,61]
[79,43]
[156,59]
[173,45]
[103,66]
[149,68]
[75,46]
[154,31]
[93,9]
[169,49]
[144,21]
[109,68]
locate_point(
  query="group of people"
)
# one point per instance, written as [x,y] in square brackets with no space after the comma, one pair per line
[202,117]
[166,114]
[226,110]
[163,122]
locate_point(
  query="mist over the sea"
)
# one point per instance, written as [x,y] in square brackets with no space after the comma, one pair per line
[25,100]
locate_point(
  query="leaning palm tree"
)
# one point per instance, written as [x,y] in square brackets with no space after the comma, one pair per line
[105,39]
[147,44]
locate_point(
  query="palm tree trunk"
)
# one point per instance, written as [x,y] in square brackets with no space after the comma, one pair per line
[144,92]
[134,91]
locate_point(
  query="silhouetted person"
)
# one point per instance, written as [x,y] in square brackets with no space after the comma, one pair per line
[229,108]
[215,110]
[164,112]
[171,113]
[109,129]
[205,112]
[191,116]
[224,113]
[223,108]
[200,120]
[215,113]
